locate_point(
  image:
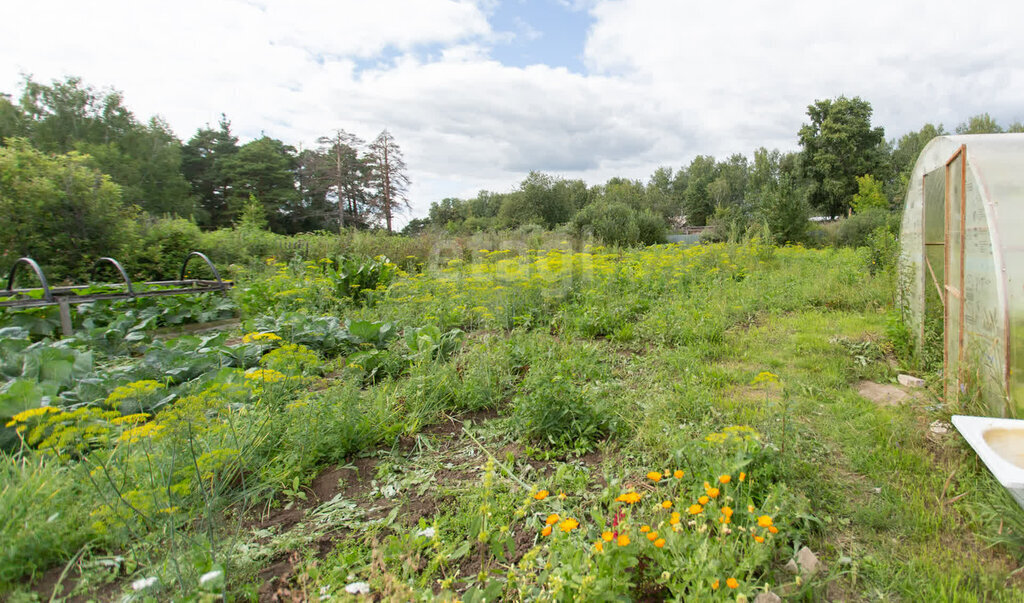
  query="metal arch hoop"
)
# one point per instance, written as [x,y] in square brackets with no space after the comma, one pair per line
[213,269]
[120,270]
[47,294]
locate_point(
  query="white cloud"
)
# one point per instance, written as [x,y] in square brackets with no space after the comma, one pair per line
[666,80]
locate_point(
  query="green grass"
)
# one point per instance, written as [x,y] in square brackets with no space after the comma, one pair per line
[577,375]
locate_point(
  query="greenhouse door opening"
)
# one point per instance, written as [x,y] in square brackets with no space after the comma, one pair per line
[955,242]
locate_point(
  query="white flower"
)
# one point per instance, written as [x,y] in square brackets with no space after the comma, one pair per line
[144,583]
[358,588]
[428,532]
[211,575]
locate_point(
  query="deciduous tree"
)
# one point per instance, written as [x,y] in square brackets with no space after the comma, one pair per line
[838,146]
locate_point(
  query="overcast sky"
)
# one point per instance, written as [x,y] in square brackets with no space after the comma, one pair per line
[479,92]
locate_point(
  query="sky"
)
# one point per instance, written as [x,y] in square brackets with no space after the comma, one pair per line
[479,92]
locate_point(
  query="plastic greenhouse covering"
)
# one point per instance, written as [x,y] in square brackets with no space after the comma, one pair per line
[962,265]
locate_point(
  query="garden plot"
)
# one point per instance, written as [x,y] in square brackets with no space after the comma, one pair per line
[666,423]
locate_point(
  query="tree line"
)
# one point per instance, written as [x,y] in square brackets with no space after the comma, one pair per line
[845,164]
[211,179]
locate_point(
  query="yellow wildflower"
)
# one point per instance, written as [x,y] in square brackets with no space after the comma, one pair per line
[541,495]
[666,504]
[25,415]
[678,474]
[654,476]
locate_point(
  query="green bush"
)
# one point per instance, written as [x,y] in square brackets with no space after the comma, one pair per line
[856,230]
[163,245]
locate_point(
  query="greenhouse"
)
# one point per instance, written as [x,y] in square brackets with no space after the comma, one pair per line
[962,265]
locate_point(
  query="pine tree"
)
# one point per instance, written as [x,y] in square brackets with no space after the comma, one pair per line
[389,181]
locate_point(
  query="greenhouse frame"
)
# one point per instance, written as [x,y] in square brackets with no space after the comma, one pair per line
[962,265]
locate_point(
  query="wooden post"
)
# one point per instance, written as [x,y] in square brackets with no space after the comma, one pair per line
[65,317]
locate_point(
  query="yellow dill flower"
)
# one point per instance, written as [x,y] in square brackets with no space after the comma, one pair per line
[138,417]
[265,375]
[25,415]
[133,391]
[260,336]
[145,430]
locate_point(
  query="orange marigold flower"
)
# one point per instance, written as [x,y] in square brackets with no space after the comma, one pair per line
[654,476]
[724,519]
[659,542]
[713,492]
[743,476]
[674,519]
[764,521]
[750,508]
[598,546]
[569,525]
[607,536]
[667,504]
[623,539]
[695,509]
[714,585]
[759,538]
[552,519]
[678,474]
[645,528]
[703,500]
[725,479]
[773,529]
[732,583]
[541,495]
[652,536]
[546,531]
[629,497]
[727,511]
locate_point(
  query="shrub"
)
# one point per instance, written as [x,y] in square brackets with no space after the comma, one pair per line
[163,245]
